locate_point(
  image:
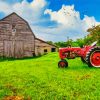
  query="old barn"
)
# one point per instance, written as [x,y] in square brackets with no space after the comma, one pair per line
[17,39]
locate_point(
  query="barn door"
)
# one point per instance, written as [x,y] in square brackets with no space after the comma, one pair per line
[13,49]
[19,49]
[8,48]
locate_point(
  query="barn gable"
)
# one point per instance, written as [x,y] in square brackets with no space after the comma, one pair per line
[14,22]
[16,37]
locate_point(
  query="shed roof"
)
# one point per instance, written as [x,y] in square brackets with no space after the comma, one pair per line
[46,42]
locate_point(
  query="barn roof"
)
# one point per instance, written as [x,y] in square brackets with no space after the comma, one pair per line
[19,17]
[46,42]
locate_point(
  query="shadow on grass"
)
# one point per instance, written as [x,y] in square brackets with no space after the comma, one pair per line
[82,67]
[77,68]
[2,59]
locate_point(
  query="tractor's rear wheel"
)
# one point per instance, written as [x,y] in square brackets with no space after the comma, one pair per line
[63,64]
[93,57]
[83,60]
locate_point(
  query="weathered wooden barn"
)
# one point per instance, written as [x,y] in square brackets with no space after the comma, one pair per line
[17,39]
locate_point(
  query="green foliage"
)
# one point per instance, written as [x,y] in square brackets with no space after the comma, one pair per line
[61,44]
[41,79]
[50,42]
[80,42]
[94,34]
[77,43]
[88,40]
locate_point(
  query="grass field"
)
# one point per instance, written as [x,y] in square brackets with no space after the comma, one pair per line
[41,79]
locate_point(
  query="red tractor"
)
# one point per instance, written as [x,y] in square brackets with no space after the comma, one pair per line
[89,55]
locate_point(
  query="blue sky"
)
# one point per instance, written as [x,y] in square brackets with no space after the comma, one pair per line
[88,7]
[55,19]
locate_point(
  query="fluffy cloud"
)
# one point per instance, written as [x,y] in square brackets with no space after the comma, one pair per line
[89,22]
[67,19]
[11,1]
[30,11]
[71,25]
[66,15]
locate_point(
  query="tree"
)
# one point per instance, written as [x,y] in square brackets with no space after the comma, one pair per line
[80,42]
[69,42]
[94,34]
[61,44]
[50,42]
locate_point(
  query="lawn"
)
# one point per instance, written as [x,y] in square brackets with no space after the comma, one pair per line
[41,79]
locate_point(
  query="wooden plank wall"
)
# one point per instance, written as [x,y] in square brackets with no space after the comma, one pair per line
[8,49]
[1,48]
[16,37]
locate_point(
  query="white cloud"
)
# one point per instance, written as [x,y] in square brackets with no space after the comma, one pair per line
[71,23]
[70,18]
[4,7]
[38,4]
[66,15]
[67,18]
[30,11]
[89,22]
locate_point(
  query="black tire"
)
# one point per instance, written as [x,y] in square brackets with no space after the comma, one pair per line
[89,57]
[63,64]
[83,60]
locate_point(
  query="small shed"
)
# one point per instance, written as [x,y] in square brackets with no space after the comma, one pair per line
[42,47]
[16,37]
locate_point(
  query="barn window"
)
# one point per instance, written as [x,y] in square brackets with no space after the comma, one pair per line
[13,31]
[53,49]
[45,50]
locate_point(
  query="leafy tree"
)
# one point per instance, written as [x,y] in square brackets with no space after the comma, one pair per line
[50,42]
[80,42]
[94,34]
[61,44]
[69,42]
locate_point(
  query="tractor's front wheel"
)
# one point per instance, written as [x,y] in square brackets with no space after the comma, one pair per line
[93,57]
[63,64]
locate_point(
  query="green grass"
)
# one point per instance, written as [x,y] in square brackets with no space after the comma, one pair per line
[41,79]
